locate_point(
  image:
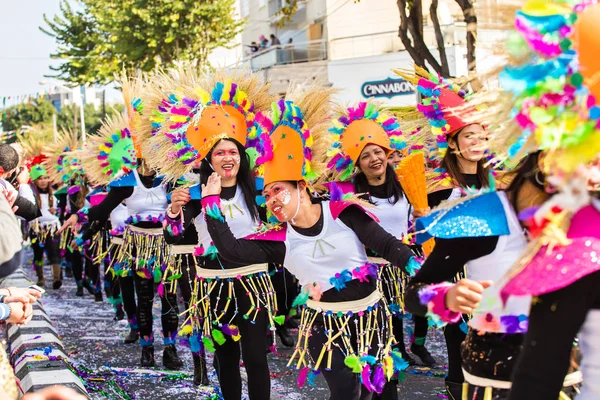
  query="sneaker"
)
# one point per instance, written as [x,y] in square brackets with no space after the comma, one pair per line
[98,297]
[132,336]
[147,359]
[423,354]
[170,358]
[200,373]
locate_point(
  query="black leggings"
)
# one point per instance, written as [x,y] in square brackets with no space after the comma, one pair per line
[454,338]
[92,269]
[145,290]
[285,286]
[253,351]
[129,305]
[50,246]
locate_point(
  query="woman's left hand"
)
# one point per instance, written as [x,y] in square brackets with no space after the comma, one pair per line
[213,186]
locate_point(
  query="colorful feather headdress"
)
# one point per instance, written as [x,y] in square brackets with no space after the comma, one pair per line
[190,114]
[33,144]
[293,139]
[111,153]
[357,127]
[63,163]
[132,89]
[550,92]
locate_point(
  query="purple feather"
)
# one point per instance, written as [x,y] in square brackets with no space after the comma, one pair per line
[426,295]
[230,331]
[232,91]
[336,194]
[191,103]
[378,379]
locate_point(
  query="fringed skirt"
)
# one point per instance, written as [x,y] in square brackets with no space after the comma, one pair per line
[215,303]
[359,330]
[143,251]
[392,282]
[40,232]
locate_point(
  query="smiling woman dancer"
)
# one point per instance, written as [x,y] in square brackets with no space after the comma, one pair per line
[229,302]
[345,331]
[377,180]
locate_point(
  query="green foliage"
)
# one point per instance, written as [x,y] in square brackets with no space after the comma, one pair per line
[107,35]
[39,114]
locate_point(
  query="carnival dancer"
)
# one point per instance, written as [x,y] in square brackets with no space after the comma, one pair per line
[43,230]
[228,302]
[558,79]
[454,151]
[345,331]
[375,178]
[113,155]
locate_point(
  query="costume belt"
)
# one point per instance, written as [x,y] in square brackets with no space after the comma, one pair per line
[231,273]
[183,249]
[346,306]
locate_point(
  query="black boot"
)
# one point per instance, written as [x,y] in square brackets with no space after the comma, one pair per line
[454,390]
[423,354]
[68,272]
[119,315]
[132,336]
[200,373]
[98,297]
[147,359]
[284,335]
[170,358]
[88,285]
[79,291]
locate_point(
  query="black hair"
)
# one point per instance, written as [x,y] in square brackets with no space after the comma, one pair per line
[527,170]
[9,158]
[393,189]
[245,180]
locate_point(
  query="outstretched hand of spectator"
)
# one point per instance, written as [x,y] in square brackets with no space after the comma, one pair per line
[54,393]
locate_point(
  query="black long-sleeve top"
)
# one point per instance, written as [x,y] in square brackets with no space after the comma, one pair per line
[554,320]
[369,232]
[26,209]
[448,258]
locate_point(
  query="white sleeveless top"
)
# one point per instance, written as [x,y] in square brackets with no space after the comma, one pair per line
[237,216]
[118,217]
[589,340]
[493,267]
[392,217]
[316,259]
[47,219]
[146,202]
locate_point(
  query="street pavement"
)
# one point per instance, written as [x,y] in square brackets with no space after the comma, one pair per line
[110,369]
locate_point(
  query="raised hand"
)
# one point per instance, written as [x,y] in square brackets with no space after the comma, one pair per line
[213,186]
[465,295]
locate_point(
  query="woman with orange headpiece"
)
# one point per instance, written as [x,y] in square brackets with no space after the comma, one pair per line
[345,331]
[363,137]
[211,126]
[113,158]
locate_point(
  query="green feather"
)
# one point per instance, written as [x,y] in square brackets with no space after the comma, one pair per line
[353,362]
[218,337]
[157,275]
[208,344]
[280,319]
[300,300]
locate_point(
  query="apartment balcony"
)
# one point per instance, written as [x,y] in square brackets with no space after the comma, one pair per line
[286,54]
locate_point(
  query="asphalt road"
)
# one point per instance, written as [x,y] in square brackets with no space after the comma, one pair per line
[110,368]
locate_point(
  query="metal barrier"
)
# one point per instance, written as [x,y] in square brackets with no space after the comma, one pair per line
[35,351]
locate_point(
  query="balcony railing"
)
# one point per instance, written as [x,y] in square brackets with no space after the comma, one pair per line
[291,53]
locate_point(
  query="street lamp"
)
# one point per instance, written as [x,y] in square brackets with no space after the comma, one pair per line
[76,95]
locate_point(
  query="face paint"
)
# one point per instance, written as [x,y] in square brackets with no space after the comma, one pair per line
[228,160]
[277,198]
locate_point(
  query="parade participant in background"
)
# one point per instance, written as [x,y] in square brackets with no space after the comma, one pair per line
[43,230]
[345,331]
[224,312]
[453,147]
[394,158]
[114,154]
[363,148]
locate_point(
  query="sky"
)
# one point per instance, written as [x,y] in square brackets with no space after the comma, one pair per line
[24,49]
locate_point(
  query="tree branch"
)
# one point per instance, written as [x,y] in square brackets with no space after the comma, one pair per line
[439,38]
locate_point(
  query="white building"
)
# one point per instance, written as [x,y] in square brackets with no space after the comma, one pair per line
[352,45]
[62,96]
